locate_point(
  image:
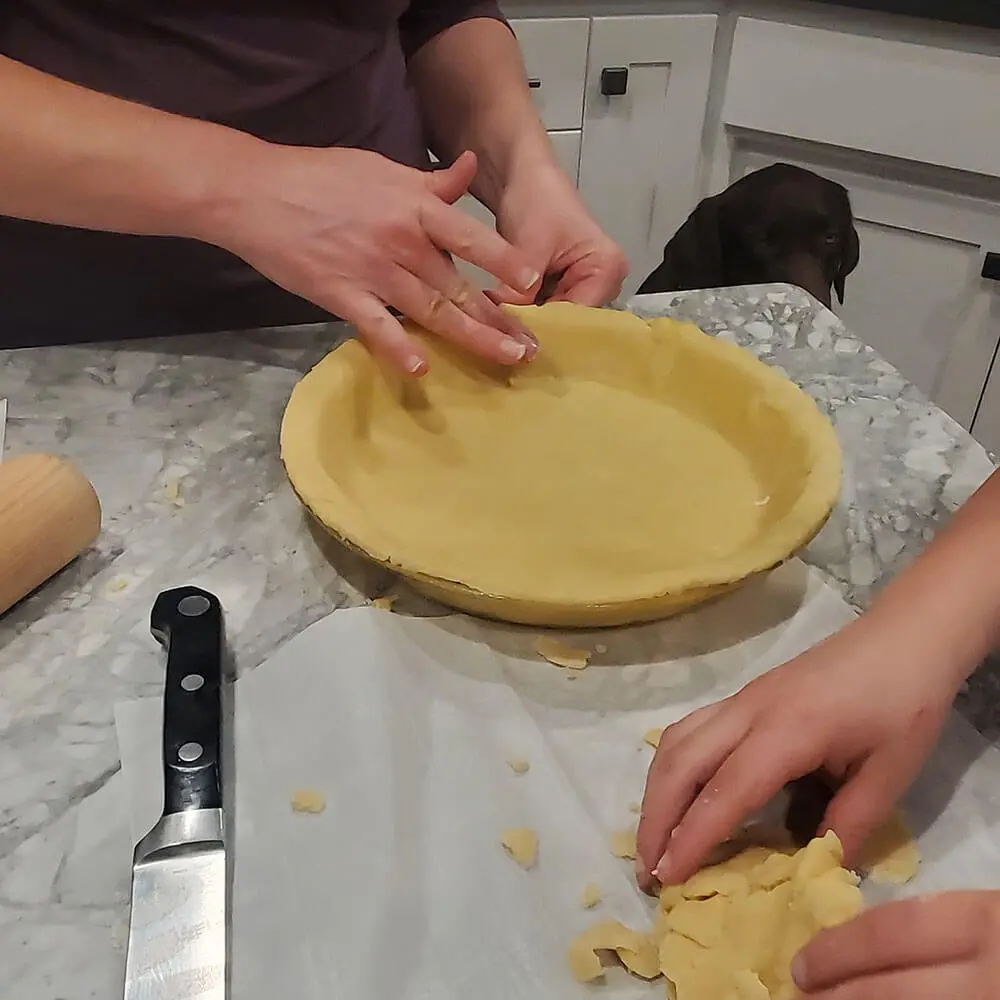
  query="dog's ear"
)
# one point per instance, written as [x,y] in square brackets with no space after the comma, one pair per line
[693,257]
[849,259]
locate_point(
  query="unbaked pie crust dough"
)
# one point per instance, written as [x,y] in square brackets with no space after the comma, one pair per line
[632,469]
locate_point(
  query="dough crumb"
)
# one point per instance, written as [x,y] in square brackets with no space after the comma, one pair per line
[172,493]
[634,950]
[307,800]
[521,844]
[560,654]
[118,586]
[652,737]
[590,896]
[384,603]
[635,807]
[890,857]
[518,765]
[600,648]
[732,930]
[623,845]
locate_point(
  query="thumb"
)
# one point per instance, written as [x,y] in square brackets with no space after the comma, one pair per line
[864,803]
[452,182]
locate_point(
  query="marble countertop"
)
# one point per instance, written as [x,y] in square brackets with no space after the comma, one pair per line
[180,439]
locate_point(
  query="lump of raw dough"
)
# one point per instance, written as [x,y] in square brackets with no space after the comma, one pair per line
[522,845]
[623,844]
[384,603]
[890,856]
[561,654]
[308,800]
[590,896]
[634,950]
[518,765]
[731,931]
[652,737]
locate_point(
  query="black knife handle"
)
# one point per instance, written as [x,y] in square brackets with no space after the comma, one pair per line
[188,623]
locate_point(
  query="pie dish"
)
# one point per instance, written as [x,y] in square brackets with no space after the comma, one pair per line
[633,469]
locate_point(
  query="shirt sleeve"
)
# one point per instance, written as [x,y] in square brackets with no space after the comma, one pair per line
[424,19]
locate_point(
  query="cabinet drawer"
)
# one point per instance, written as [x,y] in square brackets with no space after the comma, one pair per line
[555,56]
[913,102]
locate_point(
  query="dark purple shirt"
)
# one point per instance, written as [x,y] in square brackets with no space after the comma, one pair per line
[320,73]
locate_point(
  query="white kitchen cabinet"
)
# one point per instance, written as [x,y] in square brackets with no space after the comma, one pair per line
[642,148]
[904,128]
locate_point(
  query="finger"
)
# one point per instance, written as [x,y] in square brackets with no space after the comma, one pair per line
[506,294]
[924,931]
[680,769]
[591,283]
[674,734]
[451,183]
[381,332]
[756,770]
[437,270]
[433,310]
[955,980]
[452,229]
[865,800]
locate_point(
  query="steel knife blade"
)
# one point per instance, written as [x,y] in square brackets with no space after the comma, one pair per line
[178,925]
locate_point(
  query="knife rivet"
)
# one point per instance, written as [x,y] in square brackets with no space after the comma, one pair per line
[190,752]
[193,605]
[192,682]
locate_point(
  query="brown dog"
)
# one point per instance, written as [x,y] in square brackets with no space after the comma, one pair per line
[781,223]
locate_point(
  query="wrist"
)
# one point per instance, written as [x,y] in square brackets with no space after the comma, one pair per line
[222,187]
[524,163]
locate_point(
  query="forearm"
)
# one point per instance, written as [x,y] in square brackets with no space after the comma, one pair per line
[75,157]
[946,604]
[474,93]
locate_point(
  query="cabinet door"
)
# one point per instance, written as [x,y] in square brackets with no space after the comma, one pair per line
[554,50]
[640,165]
[918,296]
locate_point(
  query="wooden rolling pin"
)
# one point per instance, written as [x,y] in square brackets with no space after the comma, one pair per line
[49,513]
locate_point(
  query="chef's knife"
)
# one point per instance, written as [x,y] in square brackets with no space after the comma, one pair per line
[177,945]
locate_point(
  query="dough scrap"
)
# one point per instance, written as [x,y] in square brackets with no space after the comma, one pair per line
[384,603]
[635,807]
[731,931]
[623,844]
[519,765]
[590,896]
[652,737]
[890,857]
[521,843]
[308,800]
[561,654]
[634,950]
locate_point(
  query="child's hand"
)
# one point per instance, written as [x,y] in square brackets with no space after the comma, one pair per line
[917,949]
[865,708]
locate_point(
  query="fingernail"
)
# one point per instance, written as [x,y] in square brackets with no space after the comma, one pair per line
[662,869]
[529,279]
[799,971]
[530,342]
[416,365]
[512,349]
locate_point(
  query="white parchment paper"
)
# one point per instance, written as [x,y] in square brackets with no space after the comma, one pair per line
[400,890]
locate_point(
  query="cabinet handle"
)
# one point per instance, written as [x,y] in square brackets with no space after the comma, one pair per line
[614,81]
[991,267]
[534,83]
